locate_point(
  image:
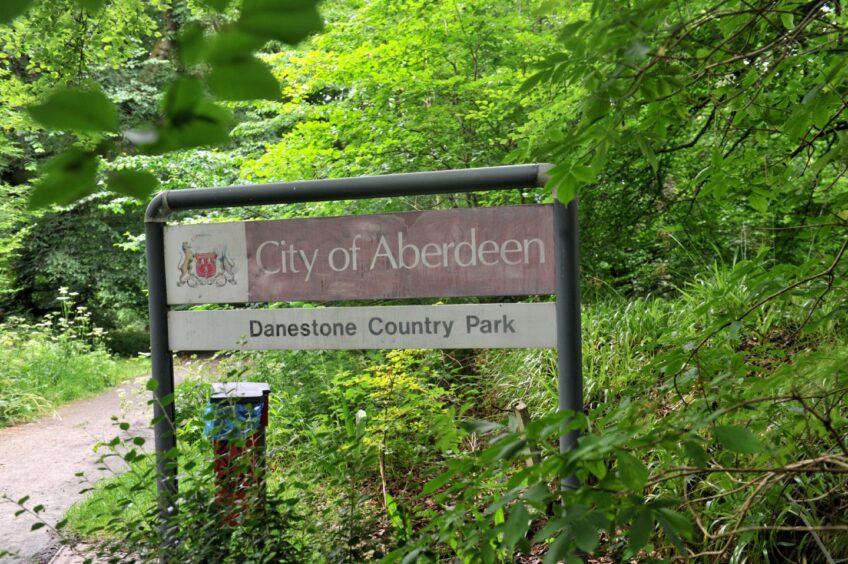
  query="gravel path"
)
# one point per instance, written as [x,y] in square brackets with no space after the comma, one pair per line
[41,460]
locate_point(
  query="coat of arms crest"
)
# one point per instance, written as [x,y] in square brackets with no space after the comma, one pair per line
[207,268]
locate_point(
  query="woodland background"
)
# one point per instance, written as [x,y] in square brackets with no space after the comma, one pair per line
[707,141]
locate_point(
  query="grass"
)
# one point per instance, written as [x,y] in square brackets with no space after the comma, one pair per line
[621,339]
[39,379]
[43,369]
[131,495]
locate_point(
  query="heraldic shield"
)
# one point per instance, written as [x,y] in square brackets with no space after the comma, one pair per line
[205,265]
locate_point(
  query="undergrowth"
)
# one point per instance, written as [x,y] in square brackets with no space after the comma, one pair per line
[54,360]
[711,430]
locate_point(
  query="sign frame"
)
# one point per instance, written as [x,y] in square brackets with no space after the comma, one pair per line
[567,278]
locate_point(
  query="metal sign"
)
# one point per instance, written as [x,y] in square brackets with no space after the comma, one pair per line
[510,252]
[489,326]
[499,251]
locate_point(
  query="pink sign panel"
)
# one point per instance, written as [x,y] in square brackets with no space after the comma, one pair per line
[461,252]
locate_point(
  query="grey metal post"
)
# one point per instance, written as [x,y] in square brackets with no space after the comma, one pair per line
[569,352]
[163,372]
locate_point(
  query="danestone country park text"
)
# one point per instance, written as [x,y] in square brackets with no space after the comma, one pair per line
[441,326]
[379,326]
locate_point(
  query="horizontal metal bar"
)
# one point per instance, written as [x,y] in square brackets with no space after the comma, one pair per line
[408,184]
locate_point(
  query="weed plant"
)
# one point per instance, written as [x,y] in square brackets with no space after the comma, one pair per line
[57,359]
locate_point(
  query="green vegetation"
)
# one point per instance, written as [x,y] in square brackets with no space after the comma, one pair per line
[707,143]
[355,436]
[59,359]
[137,485]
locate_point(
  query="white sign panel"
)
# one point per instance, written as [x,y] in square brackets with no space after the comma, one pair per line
[206,258]
[491,326]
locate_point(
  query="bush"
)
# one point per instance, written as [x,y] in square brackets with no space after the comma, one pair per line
[128,341]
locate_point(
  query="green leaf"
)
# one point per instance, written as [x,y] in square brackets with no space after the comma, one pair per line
[290,21]
[505,449]
[738,439]
[696,453]
[798,122]
[673,520]
[151,385]
[191,44]
[546,7]
[632,471]
[84,108]
[412,556]
[640,530]
[551,528]
[247,79]
[181,98]
[597,467]
[67,177]
[10,9]
[533,80]
[537,494]
[230,45]
[133,183]
[396,515]
[516,525]
[559,549]
[565,187]
[436,483]
[788,20]
[480,426]
[90,6]
[811,94]
[648,152]
[585,174]
[585,535]
[568,34]
[36,526]
[596,107]
[758,202]
[194,121]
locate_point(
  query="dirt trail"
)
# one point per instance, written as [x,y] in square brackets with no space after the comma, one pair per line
[40,459]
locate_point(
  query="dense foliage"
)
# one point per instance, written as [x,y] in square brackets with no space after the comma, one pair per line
[707,143]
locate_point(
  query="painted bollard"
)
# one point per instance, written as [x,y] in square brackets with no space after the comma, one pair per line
[236,418]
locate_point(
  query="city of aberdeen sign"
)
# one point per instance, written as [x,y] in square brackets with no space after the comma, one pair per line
[498,251]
